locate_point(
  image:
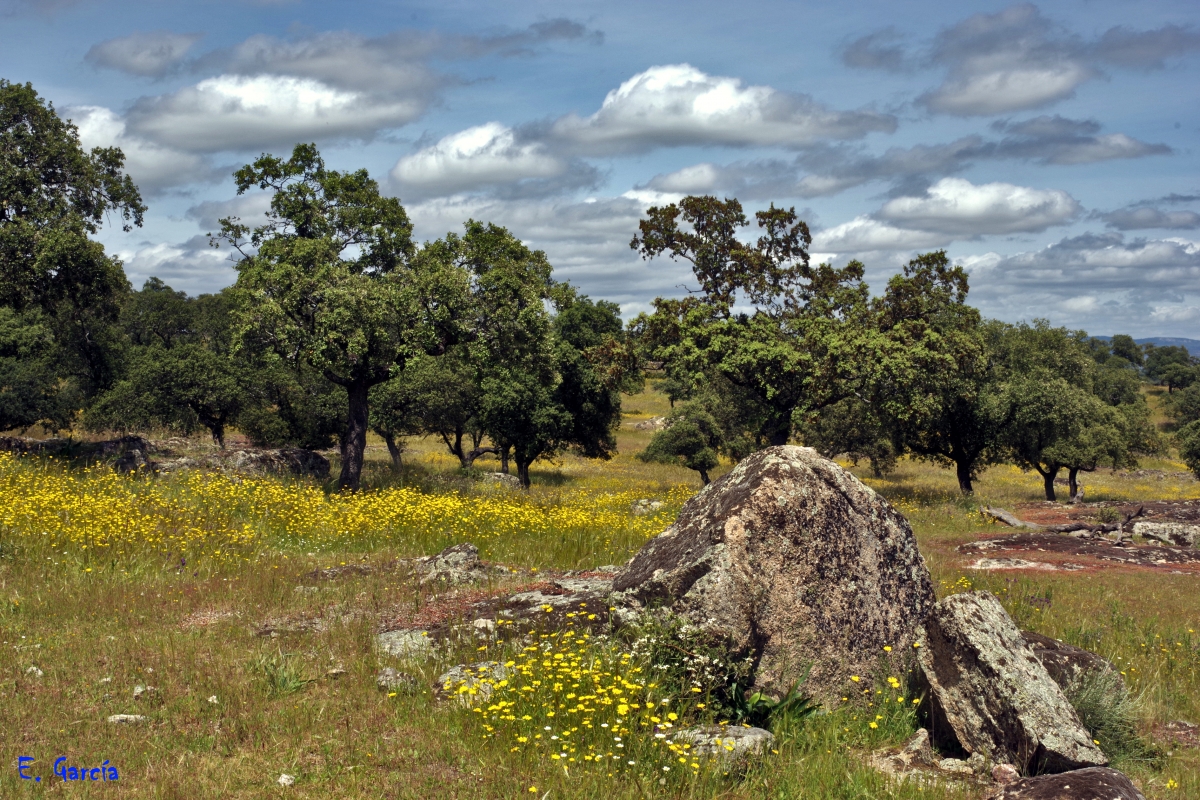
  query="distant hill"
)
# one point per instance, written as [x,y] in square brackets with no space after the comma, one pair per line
[1191,345]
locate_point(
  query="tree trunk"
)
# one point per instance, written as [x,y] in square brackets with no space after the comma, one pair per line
[780,435]
[963,469]
[394,450]
[704,476]
[1048,477]
[504,460]
[523,472]
[354,447]
[875,470]
[476,453]
[1073,480]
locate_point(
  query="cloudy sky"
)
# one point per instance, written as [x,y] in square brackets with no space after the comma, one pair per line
[1050,148]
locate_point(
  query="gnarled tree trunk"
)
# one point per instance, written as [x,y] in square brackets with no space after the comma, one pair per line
[393,450]
[354,445]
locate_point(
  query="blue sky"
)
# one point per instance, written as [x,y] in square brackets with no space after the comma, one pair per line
[1050,148]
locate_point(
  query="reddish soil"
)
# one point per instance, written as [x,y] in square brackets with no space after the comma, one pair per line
[1048,513]
[1073,553]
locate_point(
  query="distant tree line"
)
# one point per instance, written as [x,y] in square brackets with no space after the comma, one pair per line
[340,324]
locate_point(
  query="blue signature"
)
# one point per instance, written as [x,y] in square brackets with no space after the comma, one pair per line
[67,772]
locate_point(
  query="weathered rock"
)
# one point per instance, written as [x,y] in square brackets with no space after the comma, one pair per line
[286,780]
[390,679]
[126,719]
[646,506]
[652,424]
[1066,663]
[794,561]
[731,742]
[990,691]
[411,644]
[1093,783]
[126,454]
[454,566]
[503,479]
[1004,774]
[470,684]
[1176,533]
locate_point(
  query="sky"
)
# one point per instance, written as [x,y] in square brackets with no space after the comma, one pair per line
[1051,149]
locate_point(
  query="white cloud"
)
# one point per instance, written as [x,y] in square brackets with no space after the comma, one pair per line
[677,104]
[153,167]
[986,89]
[232,112]
[150,54]
[193,266]
[1144,217]
[864,234]
[483,156]
[958,207]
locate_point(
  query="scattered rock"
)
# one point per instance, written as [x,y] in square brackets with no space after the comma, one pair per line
[652,424]
[484,625]
[393,680]
[1065,662]
[34,672]
[991,693]
[1019,563]
[503,479]
[454,566]
[955,766]
[126,454]
[470,684]
[336,672]
[1175,533]
[1004,774]
[411,644]
[731,742]
[141,692]
[126,719]
[644,507]
[306,589]
[1179,733]
[1093,783]
[286,780]
[292,461]
[213,700]
[907,761]
[794,561]
[1052,545]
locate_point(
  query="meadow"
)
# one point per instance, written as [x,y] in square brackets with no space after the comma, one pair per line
[108,583]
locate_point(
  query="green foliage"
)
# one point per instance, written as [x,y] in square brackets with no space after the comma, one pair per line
[53,196]
[853,427]
[763,711]
[330,280]
[1171,366]
[1188,441]
[1123,346]
[29,375]
[692,437]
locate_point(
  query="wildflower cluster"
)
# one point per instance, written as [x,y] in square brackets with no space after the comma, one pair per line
[84,514]
[582,702]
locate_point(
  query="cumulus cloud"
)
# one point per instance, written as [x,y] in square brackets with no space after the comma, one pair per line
[677,104]
[488,156]
[961,208]
[1017,59]
[1133,218]
[747,180]
[233,112]
[1096,279]
[152,166]
[250,208]
[864,234]
[1058,140]
[151,54]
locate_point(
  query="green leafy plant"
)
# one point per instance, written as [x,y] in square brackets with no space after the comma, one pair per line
[1110,713]
[763,711]
[281,673]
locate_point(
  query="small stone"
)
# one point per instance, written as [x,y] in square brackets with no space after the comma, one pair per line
[106,680]
[405,644]
[285,780]
[485,625]
[213,700]
[35,672]
[126,719]
[336,672]
[393,680]
[918,750]
[955,765]
[727,742]
[470,683]
[306,589]
[1004,774]
[140,691]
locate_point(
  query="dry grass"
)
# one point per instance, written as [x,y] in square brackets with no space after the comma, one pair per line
[191,633]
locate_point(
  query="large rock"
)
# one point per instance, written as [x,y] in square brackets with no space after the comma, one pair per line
[1177,533]
[1093,783]
[991,691]
[456,565]
[794,562]
[1066,663]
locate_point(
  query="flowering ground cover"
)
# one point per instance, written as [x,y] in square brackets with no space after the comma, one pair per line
[109,583]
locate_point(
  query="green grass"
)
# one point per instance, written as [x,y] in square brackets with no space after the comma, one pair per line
[191,633]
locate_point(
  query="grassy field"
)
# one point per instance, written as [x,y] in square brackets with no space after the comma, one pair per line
[109,583]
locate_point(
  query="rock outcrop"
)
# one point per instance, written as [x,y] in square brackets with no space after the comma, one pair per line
[728,742]
[992,694]
[1176,533]
[455,566]
[794,562]
[1093,783]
